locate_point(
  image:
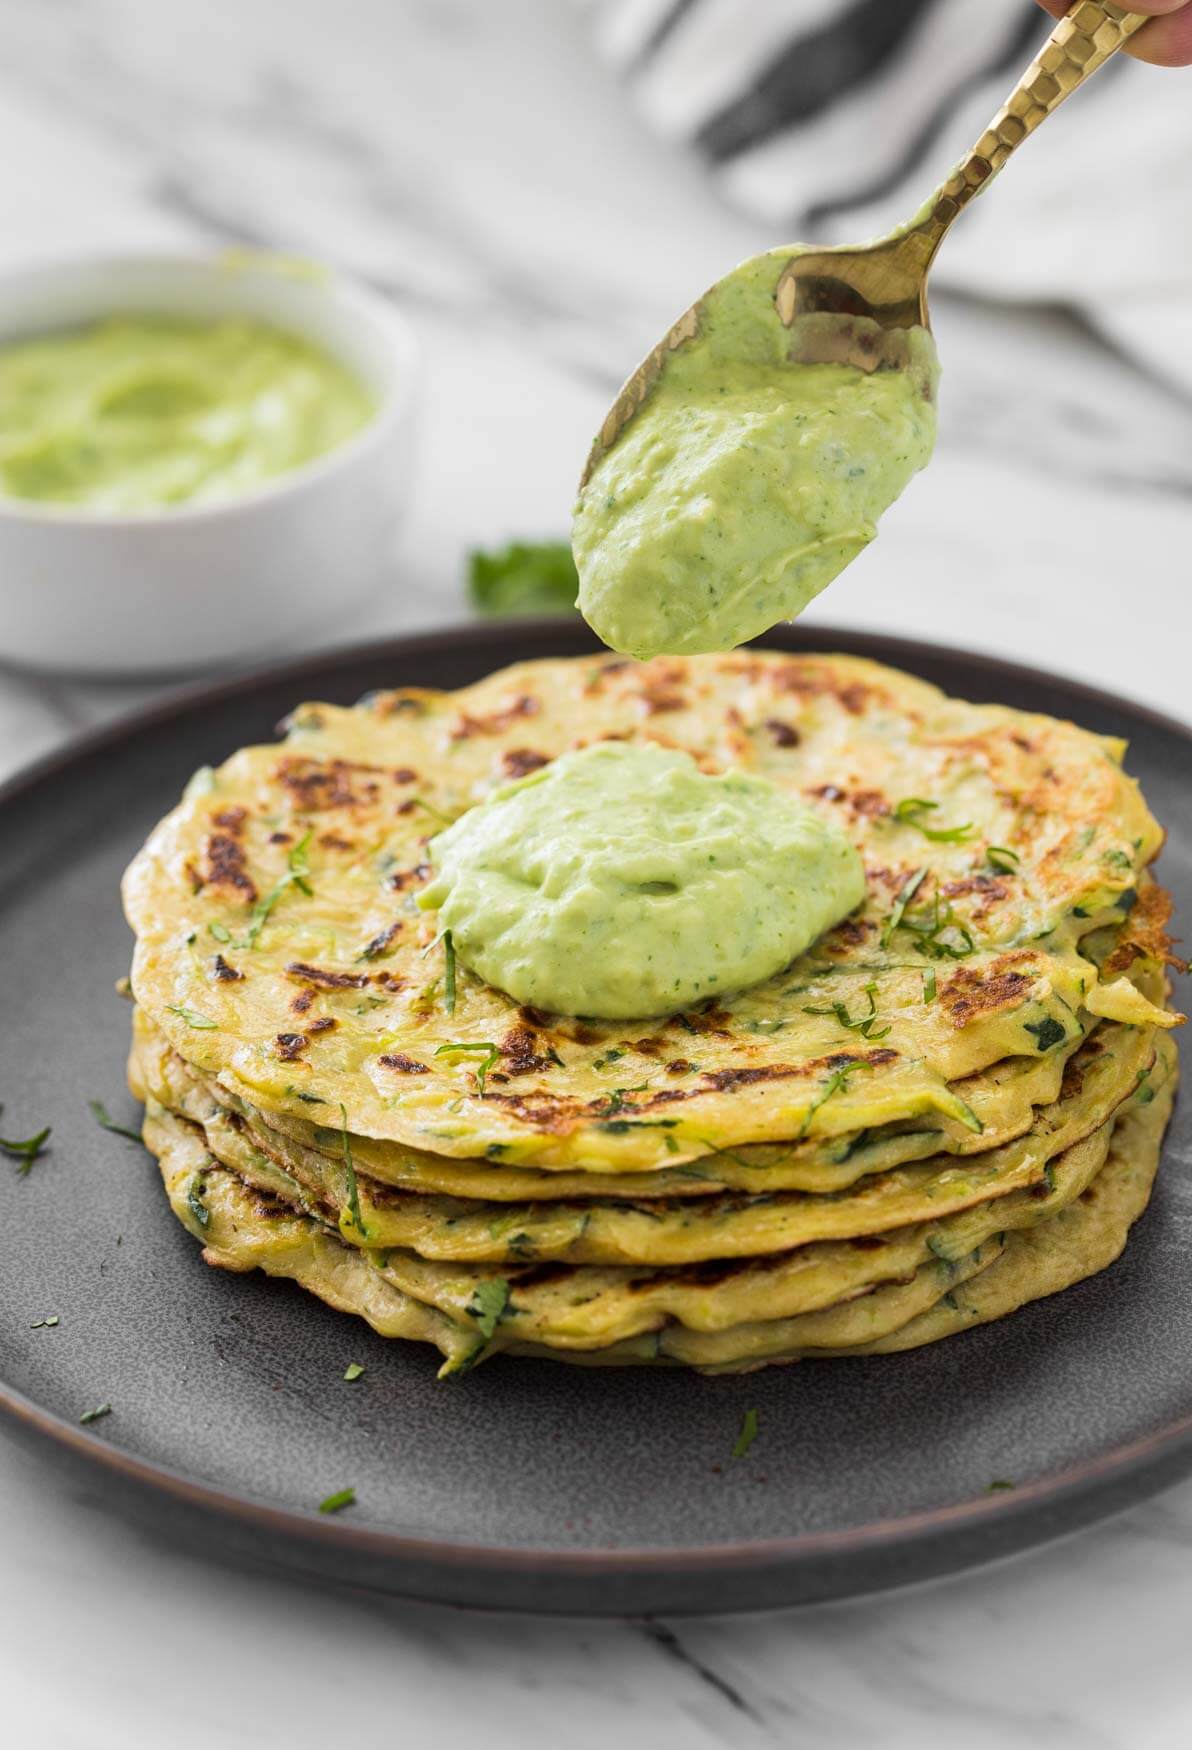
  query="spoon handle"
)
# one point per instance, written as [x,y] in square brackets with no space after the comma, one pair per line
[1083,40]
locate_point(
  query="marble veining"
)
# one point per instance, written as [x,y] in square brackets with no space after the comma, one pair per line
[478,162]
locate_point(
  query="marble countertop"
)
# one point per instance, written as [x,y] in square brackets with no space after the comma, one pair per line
[477,163]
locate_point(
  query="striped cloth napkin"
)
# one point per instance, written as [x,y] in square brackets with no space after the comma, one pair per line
[831,120]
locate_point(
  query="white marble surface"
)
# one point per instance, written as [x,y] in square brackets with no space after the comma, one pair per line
[472,158]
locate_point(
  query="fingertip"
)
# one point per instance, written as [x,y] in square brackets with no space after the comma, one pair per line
[1165,42]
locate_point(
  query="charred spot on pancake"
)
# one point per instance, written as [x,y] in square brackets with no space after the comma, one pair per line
[972,991]
[226,866]
[990,889]
[520,1055]
[290,1046]
[381,942]
[680,1066]
[849,934]
[861,804]
[323,1025]
[1145,937]
[324,979]
[315,785]
[783,734]
[405,775]
[225,973]
[331,841]
[724,1080]
[818,682]
[519,762]
[400,879]
[302,1001]
[231,820]
[406,1066]
[494,722]
[281,838]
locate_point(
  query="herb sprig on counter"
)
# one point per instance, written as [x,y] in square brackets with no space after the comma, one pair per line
[526,577]
[101,1115]
[26,1150]
[748,1434]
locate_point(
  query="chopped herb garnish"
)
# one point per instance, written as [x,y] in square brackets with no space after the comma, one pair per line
[998,1484]
[1046,1033]
[862,1024]
[341,1498]
[748,1434]
[1003,860]
[526,577]
[297,875]
[194,1200]
[45,1324]
[939,933]
[911,812]
[26,1150]
[488,1303]
[485,1049]
[906,893]
[350,1174]
[448,973]
[836,1083]
[610,1056]
[190,1016]
[95,1414]
[353,1370]
[616,1099]
[221,932]
[100,1113]
[929,984]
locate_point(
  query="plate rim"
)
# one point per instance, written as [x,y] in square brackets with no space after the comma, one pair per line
[1148,1463]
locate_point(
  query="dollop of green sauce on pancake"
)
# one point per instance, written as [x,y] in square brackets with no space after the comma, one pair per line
[621,881]
[746,481]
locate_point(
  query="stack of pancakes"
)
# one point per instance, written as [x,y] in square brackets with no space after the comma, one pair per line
[952,1104]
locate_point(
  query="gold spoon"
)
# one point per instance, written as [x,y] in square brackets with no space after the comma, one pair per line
[855,303]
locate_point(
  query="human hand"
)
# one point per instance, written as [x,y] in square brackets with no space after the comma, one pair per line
[1165,43]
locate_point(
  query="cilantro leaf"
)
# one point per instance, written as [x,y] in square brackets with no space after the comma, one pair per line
[350,1174]
[341,1498]
[25,1150]
[101,1115]
[526,577]
[488,1303]
[748,1434]
[906,893]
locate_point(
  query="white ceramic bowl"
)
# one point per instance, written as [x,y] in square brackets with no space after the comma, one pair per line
[186,587]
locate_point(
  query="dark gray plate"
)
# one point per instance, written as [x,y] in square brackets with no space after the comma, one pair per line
[527,1485]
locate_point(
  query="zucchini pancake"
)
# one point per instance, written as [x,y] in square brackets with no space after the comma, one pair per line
[874,1041]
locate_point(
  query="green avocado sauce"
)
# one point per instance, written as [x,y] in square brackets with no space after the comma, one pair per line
[622,882]
[140,412]
[746,481]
